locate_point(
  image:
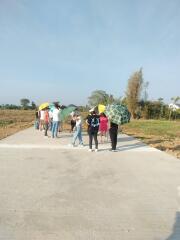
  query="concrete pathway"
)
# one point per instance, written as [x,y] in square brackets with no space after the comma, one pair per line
[51,191]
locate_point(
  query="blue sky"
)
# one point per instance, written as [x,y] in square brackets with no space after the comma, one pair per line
[64,49]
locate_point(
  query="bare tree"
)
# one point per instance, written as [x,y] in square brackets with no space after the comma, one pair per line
[133,93]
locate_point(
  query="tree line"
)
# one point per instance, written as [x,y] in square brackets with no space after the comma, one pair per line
[25,104]
[136,99]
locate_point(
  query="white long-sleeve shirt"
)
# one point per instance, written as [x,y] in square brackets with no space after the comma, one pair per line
[41,115]
[56,115]
[78,122]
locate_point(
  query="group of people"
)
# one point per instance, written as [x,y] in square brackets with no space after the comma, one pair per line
[99,123]
[96,123]
[48,120]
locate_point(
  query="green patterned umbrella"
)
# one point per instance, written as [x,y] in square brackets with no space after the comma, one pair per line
[65,112]
[118,113]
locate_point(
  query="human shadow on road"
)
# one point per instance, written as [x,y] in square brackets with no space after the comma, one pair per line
[130,146]
[124,147]
[70,135]
[64,135]
[84,134]
[175,235]
[125,139]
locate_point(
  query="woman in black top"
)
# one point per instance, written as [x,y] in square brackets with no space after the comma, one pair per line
[73,124]
[92,121]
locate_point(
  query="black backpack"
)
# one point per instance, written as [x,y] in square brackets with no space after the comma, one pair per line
[94,122]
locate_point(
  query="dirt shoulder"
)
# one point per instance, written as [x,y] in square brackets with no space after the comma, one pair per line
[12,121]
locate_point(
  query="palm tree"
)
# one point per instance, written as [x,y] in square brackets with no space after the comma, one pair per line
[175,100]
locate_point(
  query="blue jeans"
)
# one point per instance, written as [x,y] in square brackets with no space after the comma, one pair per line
[55,126]
[77,134]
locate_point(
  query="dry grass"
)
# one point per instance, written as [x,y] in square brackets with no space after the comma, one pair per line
[164,135]
[12,121]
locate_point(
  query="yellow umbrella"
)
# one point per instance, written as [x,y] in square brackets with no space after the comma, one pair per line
[101,108]
[43,105]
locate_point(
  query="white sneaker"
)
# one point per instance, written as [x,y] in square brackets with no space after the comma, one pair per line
[71,145]
[96,150]
[90,150]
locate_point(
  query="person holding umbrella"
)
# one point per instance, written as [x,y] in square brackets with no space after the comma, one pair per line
[117,114]
[113,133]
[41,115]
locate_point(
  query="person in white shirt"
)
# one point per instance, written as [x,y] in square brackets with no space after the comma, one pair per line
[41,122]
[78,131]
[56,120]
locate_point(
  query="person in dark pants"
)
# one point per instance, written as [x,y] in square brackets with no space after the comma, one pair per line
[93,126]
[73,122]
[113,132]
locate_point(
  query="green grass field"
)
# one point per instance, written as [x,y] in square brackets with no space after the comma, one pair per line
[164,135]
[169,129]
